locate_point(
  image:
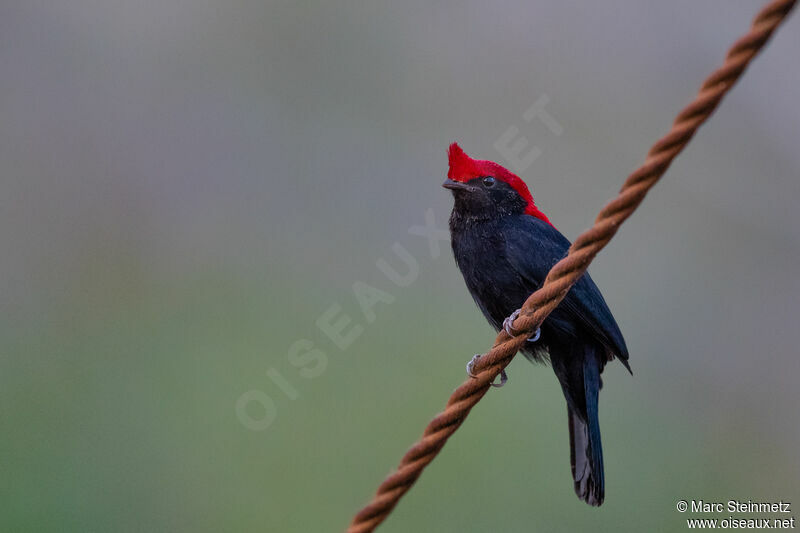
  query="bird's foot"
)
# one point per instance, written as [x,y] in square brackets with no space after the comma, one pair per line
[507,323]
[471,364]
[509,328]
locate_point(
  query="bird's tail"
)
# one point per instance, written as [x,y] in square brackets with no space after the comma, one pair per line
[586,450]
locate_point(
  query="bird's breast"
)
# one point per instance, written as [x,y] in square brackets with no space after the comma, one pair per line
[497,288]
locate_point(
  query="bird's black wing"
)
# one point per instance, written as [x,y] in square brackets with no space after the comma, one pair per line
[532,247]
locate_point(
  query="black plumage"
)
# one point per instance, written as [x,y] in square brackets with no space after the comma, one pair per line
[504,253]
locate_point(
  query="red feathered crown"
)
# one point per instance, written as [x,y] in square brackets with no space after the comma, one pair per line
[463,168]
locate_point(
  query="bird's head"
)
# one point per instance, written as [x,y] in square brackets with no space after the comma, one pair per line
[484,189]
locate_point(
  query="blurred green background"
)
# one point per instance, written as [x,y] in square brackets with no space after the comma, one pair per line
[186,186]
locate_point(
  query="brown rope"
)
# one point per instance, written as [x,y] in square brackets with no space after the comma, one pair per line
[567,271]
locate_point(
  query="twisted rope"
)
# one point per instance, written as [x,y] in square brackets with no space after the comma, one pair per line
[567,271]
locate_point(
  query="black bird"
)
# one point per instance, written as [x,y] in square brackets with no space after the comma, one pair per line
[505,246]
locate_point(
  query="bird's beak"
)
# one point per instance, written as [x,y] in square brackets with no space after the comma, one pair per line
[455,185]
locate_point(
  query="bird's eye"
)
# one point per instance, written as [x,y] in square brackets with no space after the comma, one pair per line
[488,181]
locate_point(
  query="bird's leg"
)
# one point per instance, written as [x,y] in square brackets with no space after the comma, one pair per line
[508,328]
[471,364]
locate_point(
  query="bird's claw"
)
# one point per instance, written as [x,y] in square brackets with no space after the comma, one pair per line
[509,321]
[509,328]
[471,365]
[503,380]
